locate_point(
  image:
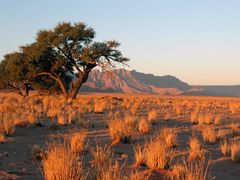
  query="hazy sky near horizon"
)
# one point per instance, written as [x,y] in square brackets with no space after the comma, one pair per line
[196,41]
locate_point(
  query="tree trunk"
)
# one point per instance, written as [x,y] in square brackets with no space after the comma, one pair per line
[75,89]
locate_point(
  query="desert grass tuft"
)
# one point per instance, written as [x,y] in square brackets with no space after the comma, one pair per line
[144,126]
[235,151]
[195,149]
[62,163]
[152,116]
[157,154]
[224,147]
[209,135]
[120,131]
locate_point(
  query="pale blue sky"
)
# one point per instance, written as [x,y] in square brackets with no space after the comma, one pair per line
[197,41]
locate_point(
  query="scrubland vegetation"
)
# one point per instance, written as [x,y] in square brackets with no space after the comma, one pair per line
[123,136]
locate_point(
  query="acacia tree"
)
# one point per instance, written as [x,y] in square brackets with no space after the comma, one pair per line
[69,51]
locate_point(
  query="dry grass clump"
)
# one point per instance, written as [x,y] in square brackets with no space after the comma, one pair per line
[77,141]
[208,119]
[139,155]
[169,136]
[2,137]
[157,154]
[209,135]
[101,155]
[131,121]
[144,126]
[218,120]
[167,117]
[201,119]
[152,116]
[62,163]
[178,172]
[99,107]
[112,170]
[195,151]
[194,118]
[234,129]
[61,119]
[224,147]
[106,168]
[7,127]
[235,151]
[120,131]
[196,170]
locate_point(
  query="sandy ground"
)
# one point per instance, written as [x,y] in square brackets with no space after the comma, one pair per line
[16,161]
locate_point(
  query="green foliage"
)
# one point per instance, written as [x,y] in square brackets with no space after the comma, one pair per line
[65,54]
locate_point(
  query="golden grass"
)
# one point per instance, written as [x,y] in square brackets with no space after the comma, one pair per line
[158,155]
[235,129]
[195,150]
[209,135]
[120,131]
[196,170]
[152,116]
[139,154]
[62,163]
[169,136]
[218,120]
[144,126]
[224,147]
[131,121]
[178,172]
[194,118]
[7,127]
[235,151]
[2,137]
[77,141]
[106,168]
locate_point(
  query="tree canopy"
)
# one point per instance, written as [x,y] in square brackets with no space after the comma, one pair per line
[65,54]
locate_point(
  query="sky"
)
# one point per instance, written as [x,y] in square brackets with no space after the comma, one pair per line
[198,41]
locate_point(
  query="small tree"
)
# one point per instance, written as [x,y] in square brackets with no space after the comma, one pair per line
[69,51]
[13,73]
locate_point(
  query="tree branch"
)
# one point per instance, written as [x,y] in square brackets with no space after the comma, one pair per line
[70,58]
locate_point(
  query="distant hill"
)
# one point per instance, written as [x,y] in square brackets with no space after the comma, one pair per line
[223,90]
[124,81]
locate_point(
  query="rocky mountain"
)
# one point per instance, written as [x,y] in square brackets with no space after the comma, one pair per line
[124,81]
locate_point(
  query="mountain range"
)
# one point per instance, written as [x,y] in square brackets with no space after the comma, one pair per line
[124,81]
